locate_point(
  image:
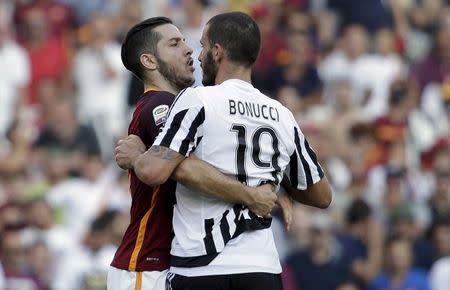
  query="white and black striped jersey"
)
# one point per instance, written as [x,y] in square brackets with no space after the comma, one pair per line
[244,134]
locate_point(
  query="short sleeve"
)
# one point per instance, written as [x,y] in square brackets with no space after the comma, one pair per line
[183,129]
[304,170]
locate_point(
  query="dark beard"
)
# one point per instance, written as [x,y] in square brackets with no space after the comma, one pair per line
[209,70]
[173,77]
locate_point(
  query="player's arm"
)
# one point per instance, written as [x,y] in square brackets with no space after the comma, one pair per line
[153,166]
[306,181]
[201,176]
[317,195]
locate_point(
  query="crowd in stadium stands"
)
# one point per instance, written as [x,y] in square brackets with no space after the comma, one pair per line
[368,81]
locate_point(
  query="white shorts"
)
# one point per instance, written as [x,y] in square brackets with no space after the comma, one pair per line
[126,280]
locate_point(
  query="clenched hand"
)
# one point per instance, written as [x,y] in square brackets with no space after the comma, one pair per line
[127,150]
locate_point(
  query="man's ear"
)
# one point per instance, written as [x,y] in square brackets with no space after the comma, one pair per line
[149,61]
[218,52]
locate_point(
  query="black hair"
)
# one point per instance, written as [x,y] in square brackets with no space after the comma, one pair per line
[358,211]
[140,39]
[238,34]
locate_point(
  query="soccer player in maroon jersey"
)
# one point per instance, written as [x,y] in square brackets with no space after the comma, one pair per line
[156,52]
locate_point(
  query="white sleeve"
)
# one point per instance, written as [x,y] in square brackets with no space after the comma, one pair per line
[183,129]
[304,170]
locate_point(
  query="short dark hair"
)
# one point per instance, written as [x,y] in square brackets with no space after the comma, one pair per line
[238,34]
[358,211]
[140,39]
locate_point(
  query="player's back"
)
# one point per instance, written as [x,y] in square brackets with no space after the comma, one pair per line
[146,242]
[244,134]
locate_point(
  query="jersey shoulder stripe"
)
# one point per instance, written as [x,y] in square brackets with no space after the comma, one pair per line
[174,127]
[198,120]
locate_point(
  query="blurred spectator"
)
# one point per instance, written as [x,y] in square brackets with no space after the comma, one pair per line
[273,45]
[15,159]
[398,273]
[85,263]
[298,70]
[440,199]
[11,216]
[362,242]
[350,62]
[85,9]
[43,229]
[39,44]
[14,74]
[327,30]
[14,262]
[319,266]
[39,260]
[2,278]
[372,14]
[64,136]
[101,80]
[440,274]
[60,18]
[348,284]
[194,17]
[436,66]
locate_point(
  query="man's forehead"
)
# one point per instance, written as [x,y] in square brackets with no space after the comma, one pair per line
[168,31]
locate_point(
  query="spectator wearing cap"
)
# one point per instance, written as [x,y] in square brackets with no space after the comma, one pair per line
[319,266]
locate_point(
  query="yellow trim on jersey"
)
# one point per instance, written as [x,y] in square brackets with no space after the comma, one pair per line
[156,89]
[138,285]
[141,232]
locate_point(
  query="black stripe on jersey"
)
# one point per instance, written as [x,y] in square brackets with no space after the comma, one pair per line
[175,101]
[199,119]
[313,156]
[275,159]
[189,262]
[309,180]
[225,227]
[208,240]
[174,127]
[293,174]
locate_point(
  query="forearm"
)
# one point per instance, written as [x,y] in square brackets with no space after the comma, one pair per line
[318,195]
[201,176]
[156,165]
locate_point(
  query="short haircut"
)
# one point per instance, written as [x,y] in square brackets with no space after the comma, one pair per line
[358,211]
[140,39]
[238,34]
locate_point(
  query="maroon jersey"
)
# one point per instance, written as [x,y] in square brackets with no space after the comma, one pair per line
[146,243]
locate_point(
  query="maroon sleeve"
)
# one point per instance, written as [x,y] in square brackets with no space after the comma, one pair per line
[154,115]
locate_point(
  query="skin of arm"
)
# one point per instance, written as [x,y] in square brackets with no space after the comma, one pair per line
[201,176]
[317,195]
[157,164]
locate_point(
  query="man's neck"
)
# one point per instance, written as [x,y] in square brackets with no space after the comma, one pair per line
[229,71]
[160,85]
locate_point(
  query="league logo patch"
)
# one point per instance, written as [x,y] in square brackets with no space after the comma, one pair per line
[160,114]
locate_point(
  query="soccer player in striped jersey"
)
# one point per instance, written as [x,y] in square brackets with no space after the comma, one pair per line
[245,134]
[156,52]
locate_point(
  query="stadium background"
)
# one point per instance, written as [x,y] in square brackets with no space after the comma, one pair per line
[368,81]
